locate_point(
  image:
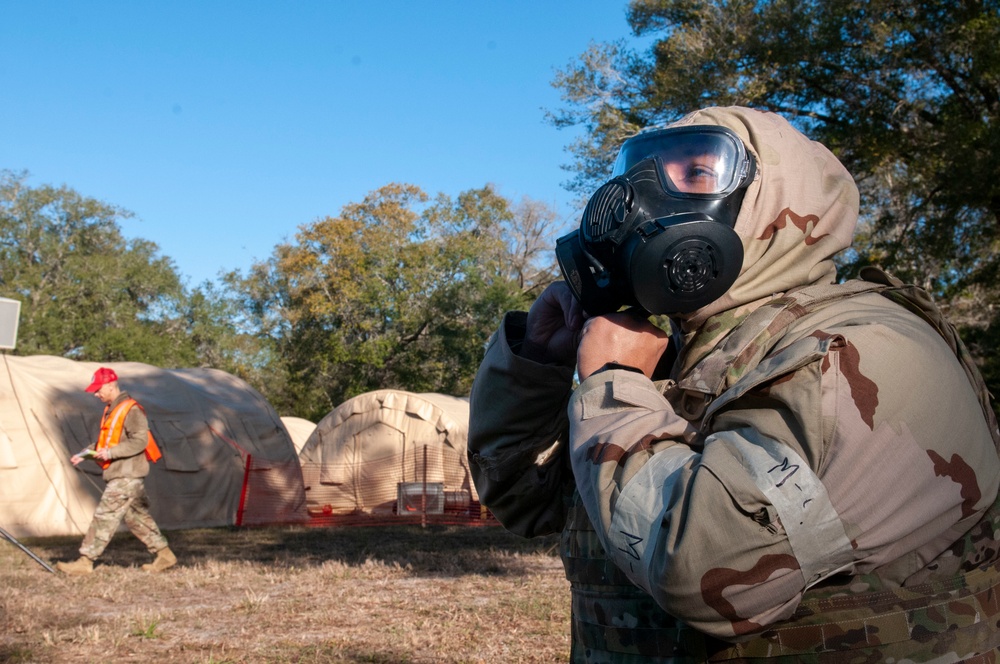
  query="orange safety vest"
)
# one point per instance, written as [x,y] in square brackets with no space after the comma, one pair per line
[111,432]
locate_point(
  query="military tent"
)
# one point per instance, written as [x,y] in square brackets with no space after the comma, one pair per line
[299,430]
[390,451]
[227,459]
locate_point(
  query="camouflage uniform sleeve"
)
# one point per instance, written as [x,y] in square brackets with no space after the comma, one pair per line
[134,436]
[517,434]
[690,523]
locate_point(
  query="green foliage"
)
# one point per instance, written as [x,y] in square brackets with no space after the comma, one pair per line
[906,93]
[983,342]
[86,292]
[223,337]
[146,628]
[89,294]
[396,292]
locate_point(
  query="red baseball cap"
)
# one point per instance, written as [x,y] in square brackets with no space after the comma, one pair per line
[102,377]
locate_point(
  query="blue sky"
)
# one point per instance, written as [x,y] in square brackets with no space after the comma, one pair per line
[224,126]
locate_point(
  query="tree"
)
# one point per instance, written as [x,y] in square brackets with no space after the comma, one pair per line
[223,336]
[396,292]
[86,292]
[905,92]
[523,234]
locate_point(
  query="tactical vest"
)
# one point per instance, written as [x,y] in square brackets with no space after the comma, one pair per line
[112,426]
[856,619]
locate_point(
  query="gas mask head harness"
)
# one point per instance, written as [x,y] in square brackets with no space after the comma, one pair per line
[659,234]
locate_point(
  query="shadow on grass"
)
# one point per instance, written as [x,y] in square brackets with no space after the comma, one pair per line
[333,654]
[434,550]
[13,654]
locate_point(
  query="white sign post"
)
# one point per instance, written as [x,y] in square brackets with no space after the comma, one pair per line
[10,311]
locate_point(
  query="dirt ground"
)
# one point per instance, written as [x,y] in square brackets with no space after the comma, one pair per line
[293,594]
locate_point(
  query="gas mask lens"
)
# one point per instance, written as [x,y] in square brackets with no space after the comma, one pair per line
[692,161]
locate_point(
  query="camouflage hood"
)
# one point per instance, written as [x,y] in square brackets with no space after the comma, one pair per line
[800,210]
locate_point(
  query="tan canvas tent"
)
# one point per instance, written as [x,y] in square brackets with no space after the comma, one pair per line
[369,452]
[299,429]
[226,456]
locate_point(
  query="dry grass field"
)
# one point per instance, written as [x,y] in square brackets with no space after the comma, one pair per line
[293,594]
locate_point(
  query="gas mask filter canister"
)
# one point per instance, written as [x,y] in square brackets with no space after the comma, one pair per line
[659,234]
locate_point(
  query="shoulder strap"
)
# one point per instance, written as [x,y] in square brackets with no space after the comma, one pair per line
[747,345]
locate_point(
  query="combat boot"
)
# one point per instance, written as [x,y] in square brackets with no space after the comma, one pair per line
[165,559]
[79,567]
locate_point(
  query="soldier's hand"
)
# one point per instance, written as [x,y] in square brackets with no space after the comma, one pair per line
[554,323]
[625,338]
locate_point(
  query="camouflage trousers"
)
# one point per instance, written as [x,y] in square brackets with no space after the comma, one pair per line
[123,499]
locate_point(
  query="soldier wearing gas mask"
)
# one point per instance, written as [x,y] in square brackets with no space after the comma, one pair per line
[803,470]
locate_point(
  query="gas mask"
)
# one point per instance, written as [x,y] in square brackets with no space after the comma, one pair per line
[659,234]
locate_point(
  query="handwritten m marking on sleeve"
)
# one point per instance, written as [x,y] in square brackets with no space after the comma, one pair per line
[784,467]
[630,542]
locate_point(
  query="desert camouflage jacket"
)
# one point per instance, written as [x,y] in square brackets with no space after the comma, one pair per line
[830,454]
[818,475]
[795,448]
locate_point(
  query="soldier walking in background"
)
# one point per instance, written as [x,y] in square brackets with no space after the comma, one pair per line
[123,450]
